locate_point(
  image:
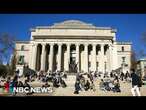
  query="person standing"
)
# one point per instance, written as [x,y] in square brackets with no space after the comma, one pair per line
[136,83]
[1,88]
[87,85]
[78,76]
[92,86]
[116,77]
[122,76]
[111,75]
[6,86]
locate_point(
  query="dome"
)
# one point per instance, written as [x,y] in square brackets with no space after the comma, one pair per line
[72,24]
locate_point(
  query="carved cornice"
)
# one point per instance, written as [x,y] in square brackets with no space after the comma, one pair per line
[124,43]
[73,24]
[71,37]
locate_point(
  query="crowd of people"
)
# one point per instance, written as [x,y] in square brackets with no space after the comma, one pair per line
[109,85]
[108,81]
[54,79]
[84,81]
[10,82]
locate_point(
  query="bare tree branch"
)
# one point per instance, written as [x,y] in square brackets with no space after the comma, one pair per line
[142,52]
[143,37]
[6,45]
[133,59]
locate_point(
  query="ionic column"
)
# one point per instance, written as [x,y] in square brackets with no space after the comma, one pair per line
[77,56]
[114,56]
[34,55]
[48,62]
[110,58]
[86,58]
[43,57]
[94,58]
[102,58]
[51,57]
[30,54]
[68,56]
[59,57]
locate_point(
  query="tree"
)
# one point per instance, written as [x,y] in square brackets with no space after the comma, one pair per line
[13,63]
[133,59]
[6,49]
[143,37]
[142,52]
[3,70]
[6,46]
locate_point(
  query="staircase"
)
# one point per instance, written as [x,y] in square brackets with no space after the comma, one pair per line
[69,90]
[70,79]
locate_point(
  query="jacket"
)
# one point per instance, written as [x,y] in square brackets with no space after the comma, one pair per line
[135,79]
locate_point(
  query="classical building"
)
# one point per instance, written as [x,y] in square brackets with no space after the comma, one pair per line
[141,66]
[73,46]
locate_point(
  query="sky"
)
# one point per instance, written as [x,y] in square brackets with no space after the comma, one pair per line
[129,26]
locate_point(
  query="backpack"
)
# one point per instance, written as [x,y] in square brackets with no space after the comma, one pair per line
[76,92]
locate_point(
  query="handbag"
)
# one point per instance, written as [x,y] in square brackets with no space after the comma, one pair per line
[140,83]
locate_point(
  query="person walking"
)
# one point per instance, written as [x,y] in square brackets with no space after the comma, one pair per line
[77,87]
[136,83]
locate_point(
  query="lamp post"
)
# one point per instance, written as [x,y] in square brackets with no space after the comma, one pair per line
[123,66]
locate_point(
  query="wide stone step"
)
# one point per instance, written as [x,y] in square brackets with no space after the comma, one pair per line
[71,73]
[70,81]
[71,78]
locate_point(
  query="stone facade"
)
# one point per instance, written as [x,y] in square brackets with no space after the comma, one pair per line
[141,66]
[73,46]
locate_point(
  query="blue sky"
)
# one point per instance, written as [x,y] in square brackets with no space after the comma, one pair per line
[129,26]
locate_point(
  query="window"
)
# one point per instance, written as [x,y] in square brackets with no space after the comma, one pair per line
[123,59]
[126,65]
[104,52]
[21,60]
[105,65]
[89,64]
[97,64]
[144,63]
[96,52]
[22,48]
[122,49]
